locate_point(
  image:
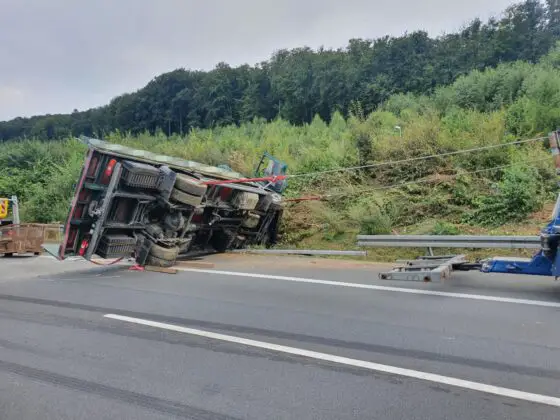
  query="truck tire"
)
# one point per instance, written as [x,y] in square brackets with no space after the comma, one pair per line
[252,221]
[264,203]
[158,262]
[246,201]
[190,185]
[185,198]
[168,254]
[221,241]
[155,231]
[184,248]
[265,241]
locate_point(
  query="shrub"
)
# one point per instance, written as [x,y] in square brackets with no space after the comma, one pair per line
[517,195]
[444,228]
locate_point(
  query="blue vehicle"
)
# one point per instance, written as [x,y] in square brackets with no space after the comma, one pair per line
[270,166]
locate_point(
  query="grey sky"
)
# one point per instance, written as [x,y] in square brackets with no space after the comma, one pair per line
[57,55]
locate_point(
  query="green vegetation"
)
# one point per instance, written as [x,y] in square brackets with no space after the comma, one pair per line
[298,84]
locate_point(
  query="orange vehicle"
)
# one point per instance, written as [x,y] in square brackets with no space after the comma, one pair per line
[9,211]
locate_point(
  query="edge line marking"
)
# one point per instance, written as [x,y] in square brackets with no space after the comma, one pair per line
[487,298]
[377,367]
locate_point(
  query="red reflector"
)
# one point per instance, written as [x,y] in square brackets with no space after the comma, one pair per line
[83,248]
[108,171]
[225,193]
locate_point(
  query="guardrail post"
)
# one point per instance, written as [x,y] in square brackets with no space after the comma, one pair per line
[15,209]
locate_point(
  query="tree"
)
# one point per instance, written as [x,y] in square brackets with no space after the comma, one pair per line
[298,84]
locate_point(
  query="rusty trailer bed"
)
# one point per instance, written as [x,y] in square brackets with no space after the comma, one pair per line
[21,239]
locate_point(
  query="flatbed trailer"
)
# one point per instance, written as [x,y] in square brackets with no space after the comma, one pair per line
[21,239]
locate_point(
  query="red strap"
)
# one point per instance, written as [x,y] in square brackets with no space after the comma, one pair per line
[111,263]
[238,181]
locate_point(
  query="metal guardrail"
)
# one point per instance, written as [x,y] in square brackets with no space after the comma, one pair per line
[450,241]
[301,252]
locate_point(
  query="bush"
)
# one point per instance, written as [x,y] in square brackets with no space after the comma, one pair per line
[372,216]
[518,194]
[444,228]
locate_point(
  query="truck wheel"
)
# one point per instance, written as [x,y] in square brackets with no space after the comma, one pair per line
[190,185]
[9,254]
[168,254]
[184,248]
[265,241]
[221,241]
[159,262]
[264,203]
[185,198]
[252,221]
[246,201]
[154,230]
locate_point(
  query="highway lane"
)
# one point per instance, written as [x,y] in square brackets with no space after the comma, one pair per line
[61,357]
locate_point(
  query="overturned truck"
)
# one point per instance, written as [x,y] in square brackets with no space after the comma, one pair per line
[155,208]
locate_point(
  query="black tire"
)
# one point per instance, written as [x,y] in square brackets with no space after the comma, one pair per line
[264,203]
[221,241]
[158,262]
[252,221]
[246,201]
[185,198]
[154,230]
[190,185]
[265,241]
[9,254]
[183,249]
[160,252]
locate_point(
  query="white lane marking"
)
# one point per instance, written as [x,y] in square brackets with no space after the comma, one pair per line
[380,288]
[431,377]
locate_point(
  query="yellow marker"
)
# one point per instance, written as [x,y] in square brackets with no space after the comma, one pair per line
[3,209]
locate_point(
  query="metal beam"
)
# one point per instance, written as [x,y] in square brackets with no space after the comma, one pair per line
[301,252]
[424,269]
[450,241]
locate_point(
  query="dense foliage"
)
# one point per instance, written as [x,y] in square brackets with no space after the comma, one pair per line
[296,85]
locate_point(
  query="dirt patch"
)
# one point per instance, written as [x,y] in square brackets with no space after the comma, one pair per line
[245,261]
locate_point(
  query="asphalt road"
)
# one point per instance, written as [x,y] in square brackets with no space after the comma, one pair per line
[274,338]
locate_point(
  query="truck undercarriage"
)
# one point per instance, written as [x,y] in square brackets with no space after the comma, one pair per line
[133,203]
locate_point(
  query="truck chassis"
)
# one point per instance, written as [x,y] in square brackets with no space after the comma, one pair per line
[134,203]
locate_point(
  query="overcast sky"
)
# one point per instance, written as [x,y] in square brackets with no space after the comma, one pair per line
[57,55]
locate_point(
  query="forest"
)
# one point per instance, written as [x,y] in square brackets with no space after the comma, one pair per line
[297,85]
[501,85]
